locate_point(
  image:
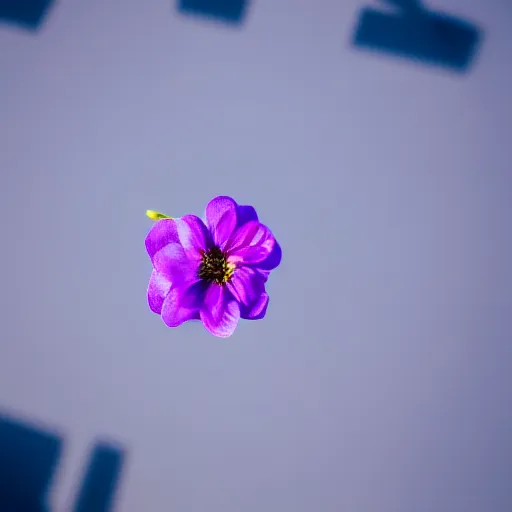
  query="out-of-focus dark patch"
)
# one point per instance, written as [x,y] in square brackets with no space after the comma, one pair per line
[227,11]
[100,481]
[28,459]
[413,32]
[28,14]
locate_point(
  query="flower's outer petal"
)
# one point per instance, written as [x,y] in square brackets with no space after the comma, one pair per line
[220,312]
[251,244]
[249,233]
[182,304]
[246,285]
[244,214]
[263,273]
[273,259]
[158,289]
[249,255]
[194,236]
[221,218]
[163,232]
[257,310]
[173,262]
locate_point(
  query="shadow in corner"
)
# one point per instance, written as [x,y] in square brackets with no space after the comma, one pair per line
[232,12]
[28,459]
[100,481]
[414,32]
[28,14]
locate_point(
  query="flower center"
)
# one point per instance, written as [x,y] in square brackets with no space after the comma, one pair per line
[214,268]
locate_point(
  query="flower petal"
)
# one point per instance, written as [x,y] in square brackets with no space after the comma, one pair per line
[193,236]
[163,232]
[158,289]
[182,304]
[272,260]
[220,312]
[244,214]
[246,285]
[252,243]
[173,262]
[221,217]
[251,231]
[257,310]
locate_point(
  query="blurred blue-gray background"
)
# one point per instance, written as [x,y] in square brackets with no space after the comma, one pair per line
[373,137]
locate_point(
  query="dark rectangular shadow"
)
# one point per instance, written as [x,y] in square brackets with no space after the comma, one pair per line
[100,481]
[227,11]
[430,37]
[28,459]
[28,14]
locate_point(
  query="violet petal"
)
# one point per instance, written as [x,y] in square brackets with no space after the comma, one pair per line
[250,233]
[163,232]
[158,289]
[246,285]
[173,262]
[194,236]
[257,310]
[272,260]
[245,214]
[252,244]
[181,304]
[220,312]
[221,217]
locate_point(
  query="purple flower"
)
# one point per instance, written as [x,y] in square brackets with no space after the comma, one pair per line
[214,271]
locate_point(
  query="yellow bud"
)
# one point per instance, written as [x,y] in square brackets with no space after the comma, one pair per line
[156,215]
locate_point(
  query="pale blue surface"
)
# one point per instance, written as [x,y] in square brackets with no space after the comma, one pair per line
[380,379]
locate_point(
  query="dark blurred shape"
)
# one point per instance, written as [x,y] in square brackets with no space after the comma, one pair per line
[100,481]
[228,11]
[28,458]
[28,14]
[416,33]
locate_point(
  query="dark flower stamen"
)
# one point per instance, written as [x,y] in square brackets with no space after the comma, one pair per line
[214,267]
